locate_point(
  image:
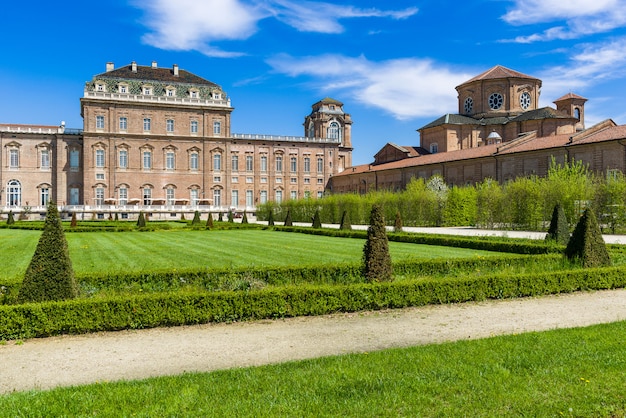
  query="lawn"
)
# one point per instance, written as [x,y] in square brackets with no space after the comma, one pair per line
[571,373]
[94,252]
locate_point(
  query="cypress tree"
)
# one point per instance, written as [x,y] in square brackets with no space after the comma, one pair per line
[209,221]
[73,222]
[587,244]
[244,219]
[49,275]
[196,219]
[397,226]
[345,221]
[231,217]
[376,258]
[10,218]
[141,221]
[288,221]
[559,229]
[317,223]
[270,218]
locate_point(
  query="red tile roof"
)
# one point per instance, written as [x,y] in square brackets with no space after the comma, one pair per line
[569,96]
[498,72]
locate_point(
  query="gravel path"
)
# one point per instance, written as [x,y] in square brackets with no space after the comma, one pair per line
[71,360]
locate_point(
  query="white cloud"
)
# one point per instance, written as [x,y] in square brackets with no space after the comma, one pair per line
[198,24]
[406,88]
[579,17]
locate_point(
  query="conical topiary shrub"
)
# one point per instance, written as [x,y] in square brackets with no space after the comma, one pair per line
[117,218]
[317,223]
[231,217]
[270,218]
[74,222]
[244,218]
[587,244]
[182,217]
[220,217]
[141,220]
[376,258]
[196,219]
[345,221]
[49,275]
[397,225]
[209,221]
[10,218]
[559,229]
[288,221]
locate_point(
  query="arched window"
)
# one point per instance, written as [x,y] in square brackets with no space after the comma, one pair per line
[333,131]
[311,130]
[44,194]
[577,113]
[14,193]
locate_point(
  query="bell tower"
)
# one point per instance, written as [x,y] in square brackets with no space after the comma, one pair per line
[573,105]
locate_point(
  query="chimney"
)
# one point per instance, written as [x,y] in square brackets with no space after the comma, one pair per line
[154,64]
[110,66]
[176,70]
[133,66]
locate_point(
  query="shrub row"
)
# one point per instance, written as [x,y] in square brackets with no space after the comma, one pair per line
[475,243]
[171,309]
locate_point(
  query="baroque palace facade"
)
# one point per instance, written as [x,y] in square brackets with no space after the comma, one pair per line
[159,139]
[500,133]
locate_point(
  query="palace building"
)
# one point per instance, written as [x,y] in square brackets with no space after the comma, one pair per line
[500,133]
[159,139]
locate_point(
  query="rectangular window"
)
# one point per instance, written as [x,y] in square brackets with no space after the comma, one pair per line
[193,161]
[217,128]
[263,198]
[99,195]
[169,196]
[99,176]
[217,197]
[294,164]
[307,180]
[74,195]
[193,195]
[279,164]
[123,123]
[217,162]
[45,158]
[294,180]
[263,163]
[234,198]
[74,160]
[147,160]
[235,162]
[320,194]
[193,128]
[234,179]
[123,196]
[14,158]
[169,125]
[279,179]
[249,163]
[99,122]
[147,124]
[147,196]
[263,179]
[169,160]
[307,164]
[320,165]
[320,181]
[249,198]
[99,158]
[217,179]
[44,196]
[123,89]
[279,196]
[294,195]
[249,180]
[123,158]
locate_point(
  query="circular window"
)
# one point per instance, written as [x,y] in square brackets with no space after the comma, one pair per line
[495,101]
[524,100]
[468,105]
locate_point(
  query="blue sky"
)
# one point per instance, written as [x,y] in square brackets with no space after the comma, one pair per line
[394,64]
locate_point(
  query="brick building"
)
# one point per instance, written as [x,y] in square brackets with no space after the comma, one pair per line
[160,139]
[499,132]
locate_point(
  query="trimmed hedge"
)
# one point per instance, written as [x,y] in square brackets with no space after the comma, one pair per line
[170,309]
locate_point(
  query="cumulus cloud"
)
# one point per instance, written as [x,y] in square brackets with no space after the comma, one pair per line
[405,88]
[580,17]
[199,24]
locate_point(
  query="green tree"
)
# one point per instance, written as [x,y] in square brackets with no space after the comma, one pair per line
[587,244]
[489,204]
[397,225]
[196,219]
[73,221]
[559,228]
[288,221]
[141,220]
[317,223]
[345,221]
[270,218]
[49,275]
[376,258]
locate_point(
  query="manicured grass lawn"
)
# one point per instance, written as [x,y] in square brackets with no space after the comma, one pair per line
[94,252]
[571,373]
